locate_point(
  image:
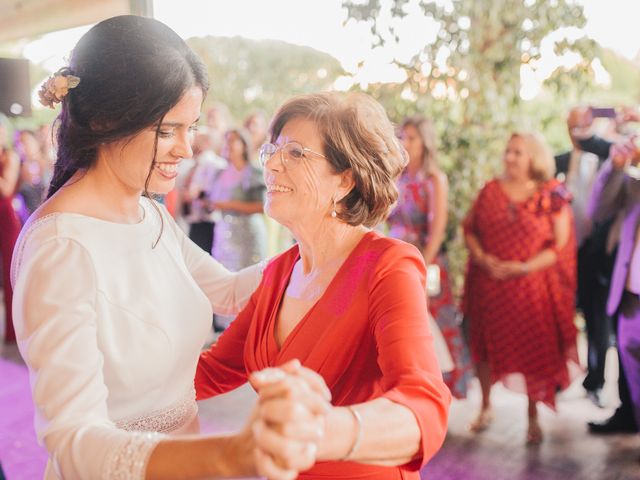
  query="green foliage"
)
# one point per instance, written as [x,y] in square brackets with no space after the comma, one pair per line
[468,81]
[625,80]
[249,74]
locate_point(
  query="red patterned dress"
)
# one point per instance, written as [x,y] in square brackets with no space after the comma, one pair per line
[523,326]
[411,222]
[9,230]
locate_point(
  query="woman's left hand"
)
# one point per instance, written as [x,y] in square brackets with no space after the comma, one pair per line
[508,269]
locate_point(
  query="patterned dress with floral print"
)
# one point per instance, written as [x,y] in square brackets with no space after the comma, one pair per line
[523,326]
[411,221]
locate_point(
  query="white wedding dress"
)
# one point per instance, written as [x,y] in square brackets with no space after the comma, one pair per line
[111,329]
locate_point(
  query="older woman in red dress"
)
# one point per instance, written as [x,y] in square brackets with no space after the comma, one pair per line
[345,300]
[520,284]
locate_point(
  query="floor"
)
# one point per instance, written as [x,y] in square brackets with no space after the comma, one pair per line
[568,451]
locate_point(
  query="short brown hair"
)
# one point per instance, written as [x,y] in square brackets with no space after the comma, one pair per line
[543,166]
[357,135]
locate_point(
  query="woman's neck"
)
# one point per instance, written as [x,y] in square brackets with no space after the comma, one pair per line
[237,163]
[106,196]
[324,246]
[523,182]
[414,167]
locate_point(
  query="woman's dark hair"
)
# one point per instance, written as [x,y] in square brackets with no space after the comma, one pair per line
[132,71]
[244,137]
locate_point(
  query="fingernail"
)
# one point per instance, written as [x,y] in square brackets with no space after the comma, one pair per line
[269,375]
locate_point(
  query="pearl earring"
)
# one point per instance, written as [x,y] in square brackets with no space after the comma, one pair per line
[333,212]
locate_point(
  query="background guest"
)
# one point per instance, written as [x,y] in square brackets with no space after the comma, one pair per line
[520,284]
[420,218]
[616,192]
[196,189]
[35,170]
[257,125]
[9,224]
[237,197]
[595,260]
[622,420]
[218,122]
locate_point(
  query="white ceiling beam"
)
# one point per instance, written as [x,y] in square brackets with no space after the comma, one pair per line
[20,19]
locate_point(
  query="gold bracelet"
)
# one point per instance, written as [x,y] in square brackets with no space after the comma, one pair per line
[358,439]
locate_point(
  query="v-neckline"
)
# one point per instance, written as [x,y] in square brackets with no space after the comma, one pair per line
[283,288]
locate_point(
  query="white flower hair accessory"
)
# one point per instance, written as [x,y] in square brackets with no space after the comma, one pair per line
[57,87]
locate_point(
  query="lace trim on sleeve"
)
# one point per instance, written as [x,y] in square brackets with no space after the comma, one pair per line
[129,461]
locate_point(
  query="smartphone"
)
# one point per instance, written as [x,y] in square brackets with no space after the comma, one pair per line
[607,112]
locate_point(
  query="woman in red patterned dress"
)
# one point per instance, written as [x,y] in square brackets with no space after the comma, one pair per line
[520,284]
[9,226]
[420,218]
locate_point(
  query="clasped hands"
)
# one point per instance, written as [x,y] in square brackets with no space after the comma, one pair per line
[501,269]
[288,421]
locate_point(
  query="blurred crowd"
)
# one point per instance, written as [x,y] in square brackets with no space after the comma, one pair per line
[542,248]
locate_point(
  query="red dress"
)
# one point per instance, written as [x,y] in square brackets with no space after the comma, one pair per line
[367,336]
[523,326]
[9,230]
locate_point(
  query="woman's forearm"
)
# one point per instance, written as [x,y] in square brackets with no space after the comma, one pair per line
[542,260]
[6,188]
[10,175]
[389,434]
[432,248]
[473,244]
[201,457]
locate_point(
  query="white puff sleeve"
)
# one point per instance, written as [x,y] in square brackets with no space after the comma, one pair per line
[55,319]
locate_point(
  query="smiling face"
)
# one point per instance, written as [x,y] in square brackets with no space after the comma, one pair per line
[517,160]
[302,191]
[131,159]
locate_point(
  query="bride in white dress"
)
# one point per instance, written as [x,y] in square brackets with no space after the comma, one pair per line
[112,302]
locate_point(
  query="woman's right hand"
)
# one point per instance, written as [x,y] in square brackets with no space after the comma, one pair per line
[623,153]
[288,422]
[490,263]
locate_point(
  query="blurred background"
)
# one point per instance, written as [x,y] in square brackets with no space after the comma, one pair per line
[478,68]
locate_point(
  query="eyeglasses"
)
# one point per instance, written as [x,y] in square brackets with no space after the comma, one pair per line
[291,153]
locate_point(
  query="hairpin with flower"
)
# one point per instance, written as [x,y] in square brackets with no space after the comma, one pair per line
[57,87]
